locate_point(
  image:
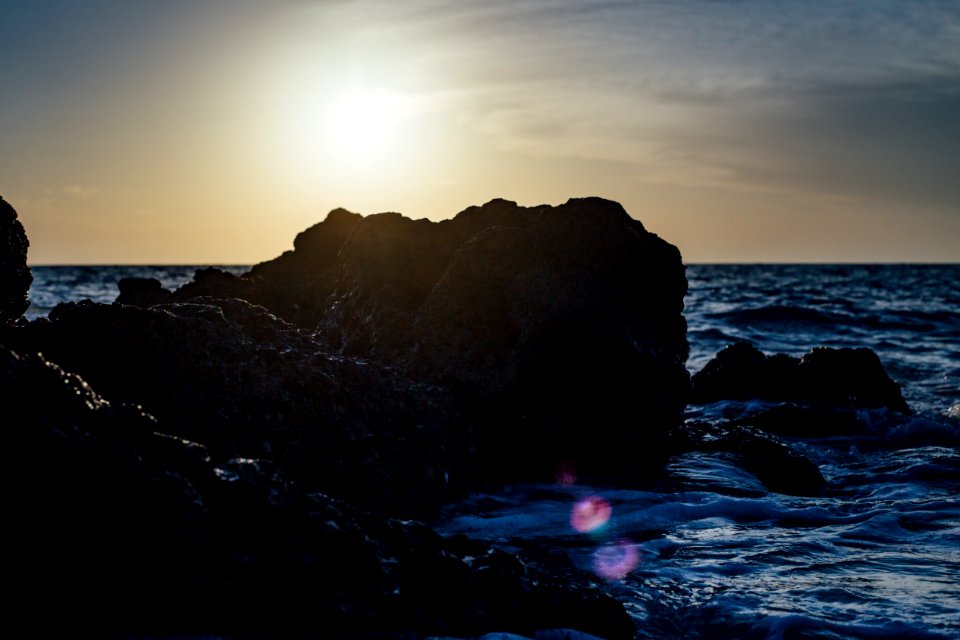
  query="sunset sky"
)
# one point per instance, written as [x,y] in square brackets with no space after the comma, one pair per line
[213,132]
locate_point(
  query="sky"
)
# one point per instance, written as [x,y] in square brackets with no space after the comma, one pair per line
[740,131]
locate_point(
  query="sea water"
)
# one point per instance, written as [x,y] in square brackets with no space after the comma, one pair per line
[56,284]
[710,553]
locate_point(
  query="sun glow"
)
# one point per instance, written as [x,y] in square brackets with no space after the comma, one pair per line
[364,124]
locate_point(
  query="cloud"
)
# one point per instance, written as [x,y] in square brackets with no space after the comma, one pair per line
[840,100]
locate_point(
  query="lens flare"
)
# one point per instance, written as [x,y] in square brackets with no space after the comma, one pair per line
[590,514]
[615,561]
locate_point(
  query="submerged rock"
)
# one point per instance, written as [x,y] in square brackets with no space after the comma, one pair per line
[15,276]
[775,464]
[825,376]
[779,467]
[559,329]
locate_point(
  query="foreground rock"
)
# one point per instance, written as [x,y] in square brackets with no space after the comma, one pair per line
[243,382]
[121,531]
[15,277]
[842,378]
[559,329]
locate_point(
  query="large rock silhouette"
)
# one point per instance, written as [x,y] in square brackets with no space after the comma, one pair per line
[15,277]
[123,527]
[561,328]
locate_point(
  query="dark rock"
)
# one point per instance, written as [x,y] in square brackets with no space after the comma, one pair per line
[559,328]
[142,292]
[779,467]
[741,372]
[246,384]
[125,532]
[211,281]
[851,377]
[774,463]
[826,376]
[807,421]
[15,276]
[88,512]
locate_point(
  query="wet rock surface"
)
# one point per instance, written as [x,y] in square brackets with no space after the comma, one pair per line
[770,460]
[15,275]
[779,467]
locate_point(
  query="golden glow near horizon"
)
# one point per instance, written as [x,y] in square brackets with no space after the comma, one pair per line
[215,132]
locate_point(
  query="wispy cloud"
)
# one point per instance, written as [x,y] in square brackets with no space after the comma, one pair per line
[840,98]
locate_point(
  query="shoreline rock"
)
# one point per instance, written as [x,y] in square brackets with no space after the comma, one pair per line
[15,276]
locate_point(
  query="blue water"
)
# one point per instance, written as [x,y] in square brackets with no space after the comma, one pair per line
[908,314]
[53,285]
[711,553]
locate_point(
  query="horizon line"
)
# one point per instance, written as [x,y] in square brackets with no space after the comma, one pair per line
[691,263]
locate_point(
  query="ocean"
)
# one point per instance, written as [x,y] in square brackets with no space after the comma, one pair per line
[53,285]
[711,553]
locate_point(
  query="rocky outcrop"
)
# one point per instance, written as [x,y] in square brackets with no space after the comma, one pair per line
[559,329]
[841,378]
[125,530]
[15,277]
[119,530]
[245,383]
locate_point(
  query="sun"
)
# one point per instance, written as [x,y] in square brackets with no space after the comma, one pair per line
[346,131]
[363,124]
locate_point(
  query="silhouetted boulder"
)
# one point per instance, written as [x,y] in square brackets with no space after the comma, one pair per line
[121,531]
[15,276]
[559,328]
[142,292]
[853,377]
[834,377]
